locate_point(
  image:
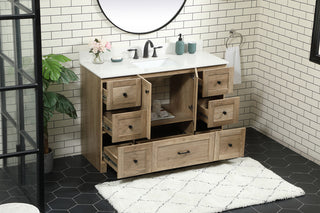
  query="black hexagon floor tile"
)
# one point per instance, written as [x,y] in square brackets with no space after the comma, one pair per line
[61,203]
[267,208]
[66,192]
[53,176]
[289,204]
[88,188]
[302,178]
[70,182]
[83,209]
[310,199]
[86,198]
[308,187]
[277,163]
[284,162]
[299,168]
[288,211]
[310,209]
[51,186]
[296,159]
[96,178]
[74,172]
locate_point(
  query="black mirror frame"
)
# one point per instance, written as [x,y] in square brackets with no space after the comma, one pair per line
[314,52]
[141,33]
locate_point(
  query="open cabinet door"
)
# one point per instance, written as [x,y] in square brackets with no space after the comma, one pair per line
[195,98]
[146,91]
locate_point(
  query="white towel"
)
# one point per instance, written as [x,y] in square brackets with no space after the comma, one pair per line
[233,57]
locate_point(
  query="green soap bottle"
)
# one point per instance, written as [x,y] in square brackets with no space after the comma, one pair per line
[180,46]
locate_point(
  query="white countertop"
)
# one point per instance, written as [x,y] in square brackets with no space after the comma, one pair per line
[125,68]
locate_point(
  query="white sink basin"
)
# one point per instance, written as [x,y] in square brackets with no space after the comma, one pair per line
[153,63]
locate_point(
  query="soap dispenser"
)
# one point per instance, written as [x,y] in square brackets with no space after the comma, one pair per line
[180,46]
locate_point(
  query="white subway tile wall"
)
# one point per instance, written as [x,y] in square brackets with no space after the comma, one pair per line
[286,85]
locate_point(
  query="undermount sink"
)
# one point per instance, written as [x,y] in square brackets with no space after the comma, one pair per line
[153,63]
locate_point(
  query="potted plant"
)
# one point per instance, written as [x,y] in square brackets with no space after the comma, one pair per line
[53,72]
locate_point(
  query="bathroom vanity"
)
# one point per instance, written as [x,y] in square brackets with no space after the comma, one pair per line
[119,129]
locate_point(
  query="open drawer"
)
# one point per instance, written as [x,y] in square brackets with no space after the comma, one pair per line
[124,126]
[216,81]
[129,160]
[219,112]
[122,93]
[229,143]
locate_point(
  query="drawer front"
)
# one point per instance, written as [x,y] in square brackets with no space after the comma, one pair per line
[224,111]
[183,151]
[217,81]
[129,125]
[134,160]
[229,143]
[123,94]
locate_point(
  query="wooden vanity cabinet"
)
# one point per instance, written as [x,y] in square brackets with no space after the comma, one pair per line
[118,130]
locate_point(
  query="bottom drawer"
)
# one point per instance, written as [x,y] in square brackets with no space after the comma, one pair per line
[229,143]
[183,151]
[129,160]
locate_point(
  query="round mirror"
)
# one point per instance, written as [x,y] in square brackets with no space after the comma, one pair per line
[140,16]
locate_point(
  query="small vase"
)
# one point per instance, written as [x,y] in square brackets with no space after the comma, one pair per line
[97,58]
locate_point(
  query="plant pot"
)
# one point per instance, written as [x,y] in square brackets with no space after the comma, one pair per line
[48,161]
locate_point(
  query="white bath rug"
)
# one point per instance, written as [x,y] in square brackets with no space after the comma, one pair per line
[209,188]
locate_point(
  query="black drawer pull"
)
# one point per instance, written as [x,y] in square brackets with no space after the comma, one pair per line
[224,112]
[219,82]
[130,126]
[135,161]
[125,94]
[146,91]
[230,144]
[183,153]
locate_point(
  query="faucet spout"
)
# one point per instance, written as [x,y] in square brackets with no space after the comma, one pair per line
[146,48]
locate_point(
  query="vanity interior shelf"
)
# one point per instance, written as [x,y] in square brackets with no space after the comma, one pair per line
[124,129]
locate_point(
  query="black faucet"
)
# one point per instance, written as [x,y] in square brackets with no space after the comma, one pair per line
[146,48]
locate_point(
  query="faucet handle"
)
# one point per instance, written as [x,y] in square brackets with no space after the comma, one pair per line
[135,53]
[154,51]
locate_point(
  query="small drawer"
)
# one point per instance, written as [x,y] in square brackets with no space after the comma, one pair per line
[126,125]
[129,160]
[229,143]
[122,94]
[183,151]
[217,81]
[219,112]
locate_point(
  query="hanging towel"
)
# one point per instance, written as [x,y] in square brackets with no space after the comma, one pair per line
[233,57]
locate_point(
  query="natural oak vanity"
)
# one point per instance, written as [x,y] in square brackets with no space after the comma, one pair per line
[119,131]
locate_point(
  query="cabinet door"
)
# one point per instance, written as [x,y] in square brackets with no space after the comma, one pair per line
[217,81]
[146,91]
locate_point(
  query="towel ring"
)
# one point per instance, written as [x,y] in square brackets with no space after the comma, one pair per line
[234,34]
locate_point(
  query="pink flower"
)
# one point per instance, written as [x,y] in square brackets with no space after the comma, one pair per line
[98,46]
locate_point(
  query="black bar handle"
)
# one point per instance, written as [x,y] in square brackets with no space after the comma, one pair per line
[146,91]
[183,153]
